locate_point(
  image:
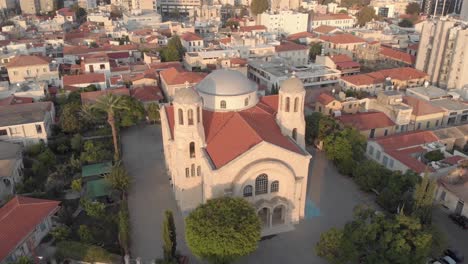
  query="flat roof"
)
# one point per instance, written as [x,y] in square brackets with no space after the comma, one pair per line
[96,169]
[98,188]
[430,91]
[280,69]
[450,105]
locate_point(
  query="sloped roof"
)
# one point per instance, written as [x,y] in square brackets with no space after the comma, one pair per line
[19,217]
[23,113]
[27,60]
[290,46]
[345,38]
[324,29]
[421,107]
[189,36]
[404,140]
[366,121]
[230,134]
[397,55]
[84,78]
[325,98]
[174,76]
[147,93]
[300,35]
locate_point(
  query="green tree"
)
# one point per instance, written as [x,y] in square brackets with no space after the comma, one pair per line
[232,24]
[413,8]
[47,158]
[330,246]
[327,126]
[23,260]
[124,228]
[119,179]
[423,199]
[370,175]
[60,233]
[397,192]
[76,142]
[169,236]
[170,53]
[85,234]
[312,127]
[69,118]
[94,209]
[314,50]
[110,104]
[406,23]
[259,6]
[223,230]
[434,155]
[76,185]
[153,112]
[365,15]
[134,113]
[94,152]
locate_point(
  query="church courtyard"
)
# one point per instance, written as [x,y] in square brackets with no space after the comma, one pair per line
[330,201]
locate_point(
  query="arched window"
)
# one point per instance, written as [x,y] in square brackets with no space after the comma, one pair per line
[277,217]
[198,114]
[198,170]
[192,149]
[246,101]
[294,134]
[248,191]
[181,116]
[190,116]
[193,170]
[187,172]
[286,107]
[223,104]
[296,104]
[274,186]
[261,184]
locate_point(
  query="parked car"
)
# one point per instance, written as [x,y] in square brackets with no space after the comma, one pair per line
[447,260]
[455,255]
[460,220]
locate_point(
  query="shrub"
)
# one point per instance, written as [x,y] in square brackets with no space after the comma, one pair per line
[60,233]
[434,155]
[83,252]
[85,234]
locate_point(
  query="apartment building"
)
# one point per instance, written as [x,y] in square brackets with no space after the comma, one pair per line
[294,54]
[7,4]
[284,22]
[442,52]
[342,21]
[167,7]
[32,68]
[26,123]
[192,42]
[29,6]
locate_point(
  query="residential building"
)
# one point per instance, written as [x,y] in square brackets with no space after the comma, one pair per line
[424,114]
[341,44]
[220,139]
[47,5]
[391,104]
[24,222]
[292,53]
[7,4]
[343,63]
[192,42]
[273,73]
[173,79]
[304,38]
[203,59]
[428,92]
[206,13]
[327,104]
[389,79]
[96,64]
[326,30]
[464,11]
[143,5]
[439,7]
[284,22]
[87,4]
[453,137]
[170,6]
[456,112]
[65,15]
[74,82]
[342,21]
[369,124]
[442,52]
[279,5]
[29,6]
[403,152]
[141,19]
[385,11]
[397,7]
[11,168]
[452,191]
[32,68]
[27,123]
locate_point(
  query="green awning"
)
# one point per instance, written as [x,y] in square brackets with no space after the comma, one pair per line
[98,188]
[96,169]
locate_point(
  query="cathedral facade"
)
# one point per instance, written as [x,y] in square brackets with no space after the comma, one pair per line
[222,139]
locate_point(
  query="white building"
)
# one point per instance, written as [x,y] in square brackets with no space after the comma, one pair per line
[192,42]
[343,21]
[27,123]
[11,165]
[221,139]
[452,191]
[284,22]
[87,4]
[141,19]
[273,73]
[294,54]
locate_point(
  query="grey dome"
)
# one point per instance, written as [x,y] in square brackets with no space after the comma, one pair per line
[186,96]
[226,82]
[292,85]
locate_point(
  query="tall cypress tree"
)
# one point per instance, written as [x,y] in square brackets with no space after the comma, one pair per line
[169,236]
[423,199]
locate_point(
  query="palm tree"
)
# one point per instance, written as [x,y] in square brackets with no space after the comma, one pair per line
[110,104]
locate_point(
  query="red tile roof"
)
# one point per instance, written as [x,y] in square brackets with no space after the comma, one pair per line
[406,140]
[92,97]
[324,29]
[225,40]
[453,160]
[366,121]
[421,107]
[342,39]
[147,93]
[397,55]
[402,74]
[252,28]
[300,35]
[19,217]
[238,61]
[11,100]
[230,134]
[189,36]
[174,76]
[325,98]
[359,79]
[70,80]
[27,60]
[165,65]
[290,46]
[340,58]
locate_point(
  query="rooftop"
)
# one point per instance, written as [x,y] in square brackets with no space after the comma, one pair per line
[175,76]
[83,78]
[290,46]
[279,69]
[19,217]
[345,38]
[23,113]
[96,169]
[366,121]
[450,105]
[421,107]
[27,60]
[431,92]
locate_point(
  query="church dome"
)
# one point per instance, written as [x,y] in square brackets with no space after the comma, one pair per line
[226,83]
[186,96]
[292,85]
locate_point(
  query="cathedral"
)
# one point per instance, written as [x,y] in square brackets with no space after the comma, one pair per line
[221,138]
